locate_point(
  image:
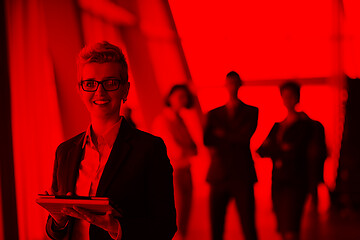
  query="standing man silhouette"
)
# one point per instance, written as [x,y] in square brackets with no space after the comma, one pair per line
[227,133]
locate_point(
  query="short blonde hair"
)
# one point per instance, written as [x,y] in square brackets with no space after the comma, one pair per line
[102,52]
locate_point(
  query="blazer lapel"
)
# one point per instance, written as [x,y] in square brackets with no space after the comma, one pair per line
[239,113]
[117,157]
[72,165]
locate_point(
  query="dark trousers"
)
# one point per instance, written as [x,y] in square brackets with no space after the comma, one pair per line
[288,204]
[220,195]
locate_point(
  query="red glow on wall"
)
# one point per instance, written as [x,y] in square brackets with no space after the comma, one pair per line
[351,38]
[260,39]
[266,42]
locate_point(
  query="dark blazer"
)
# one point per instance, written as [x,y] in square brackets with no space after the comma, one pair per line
[317,154]
[231,158]
[303,163]
[137,178]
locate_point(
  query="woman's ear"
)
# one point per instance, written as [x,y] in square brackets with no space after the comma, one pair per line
[78,87]
[126,92]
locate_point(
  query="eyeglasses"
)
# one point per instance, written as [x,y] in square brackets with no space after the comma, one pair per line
[108,85]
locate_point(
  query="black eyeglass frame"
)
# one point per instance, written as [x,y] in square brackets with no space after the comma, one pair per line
[102,83]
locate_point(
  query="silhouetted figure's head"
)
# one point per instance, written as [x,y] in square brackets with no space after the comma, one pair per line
[103,79]
[179,97]
[290,93]
[233,83]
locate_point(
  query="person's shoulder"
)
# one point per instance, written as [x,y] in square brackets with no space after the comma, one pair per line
[217,110]
[250,108]
[146,138]
[147,143]
[276,126]
[317,126]
[311,122]
[142,134]
[316,123]
[71,142]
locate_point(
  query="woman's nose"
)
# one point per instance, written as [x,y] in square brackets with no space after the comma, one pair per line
[100,90]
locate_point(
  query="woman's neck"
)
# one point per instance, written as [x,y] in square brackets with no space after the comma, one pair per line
[101,125]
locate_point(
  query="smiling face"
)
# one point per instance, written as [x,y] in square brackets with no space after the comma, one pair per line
[101,103]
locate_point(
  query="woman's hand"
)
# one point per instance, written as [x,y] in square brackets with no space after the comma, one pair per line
[60,219]
[106,222]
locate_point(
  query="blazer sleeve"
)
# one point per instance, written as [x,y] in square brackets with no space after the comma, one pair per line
[54,234]
[269,147]
[243,134]
[160,220]
[317,153]
[211,139]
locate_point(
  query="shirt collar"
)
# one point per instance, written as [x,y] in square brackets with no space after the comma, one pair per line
[109,136]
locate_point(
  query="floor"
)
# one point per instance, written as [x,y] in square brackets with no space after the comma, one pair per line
[317,224]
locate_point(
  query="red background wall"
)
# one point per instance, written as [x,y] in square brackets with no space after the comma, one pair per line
[196,42]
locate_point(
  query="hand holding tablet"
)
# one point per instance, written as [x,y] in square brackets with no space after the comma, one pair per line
[95,210]
[95,205]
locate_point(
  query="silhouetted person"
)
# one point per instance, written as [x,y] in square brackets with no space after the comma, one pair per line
[291,146]
[112,159]
[231,174]
[181,148]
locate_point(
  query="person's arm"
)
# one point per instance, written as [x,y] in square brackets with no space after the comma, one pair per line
[57,224]
[317,153]
[268,148]
[317,146]
[213,134]
[107,222]
[160,220]
[243,135]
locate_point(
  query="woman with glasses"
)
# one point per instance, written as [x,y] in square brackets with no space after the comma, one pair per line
[112,159]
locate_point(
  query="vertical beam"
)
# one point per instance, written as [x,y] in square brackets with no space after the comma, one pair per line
[177,40]
[7,180]
[155,54]
[142,67]
[65,41]
[183,60]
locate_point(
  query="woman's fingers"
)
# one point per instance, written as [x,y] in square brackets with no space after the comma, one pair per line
[86,214]
[81,213]
[72,213]
[106,222]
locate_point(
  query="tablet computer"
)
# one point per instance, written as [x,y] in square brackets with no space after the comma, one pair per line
[96,205]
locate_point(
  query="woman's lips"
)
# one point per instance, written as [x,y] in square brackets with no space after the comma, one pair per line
[101,102]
